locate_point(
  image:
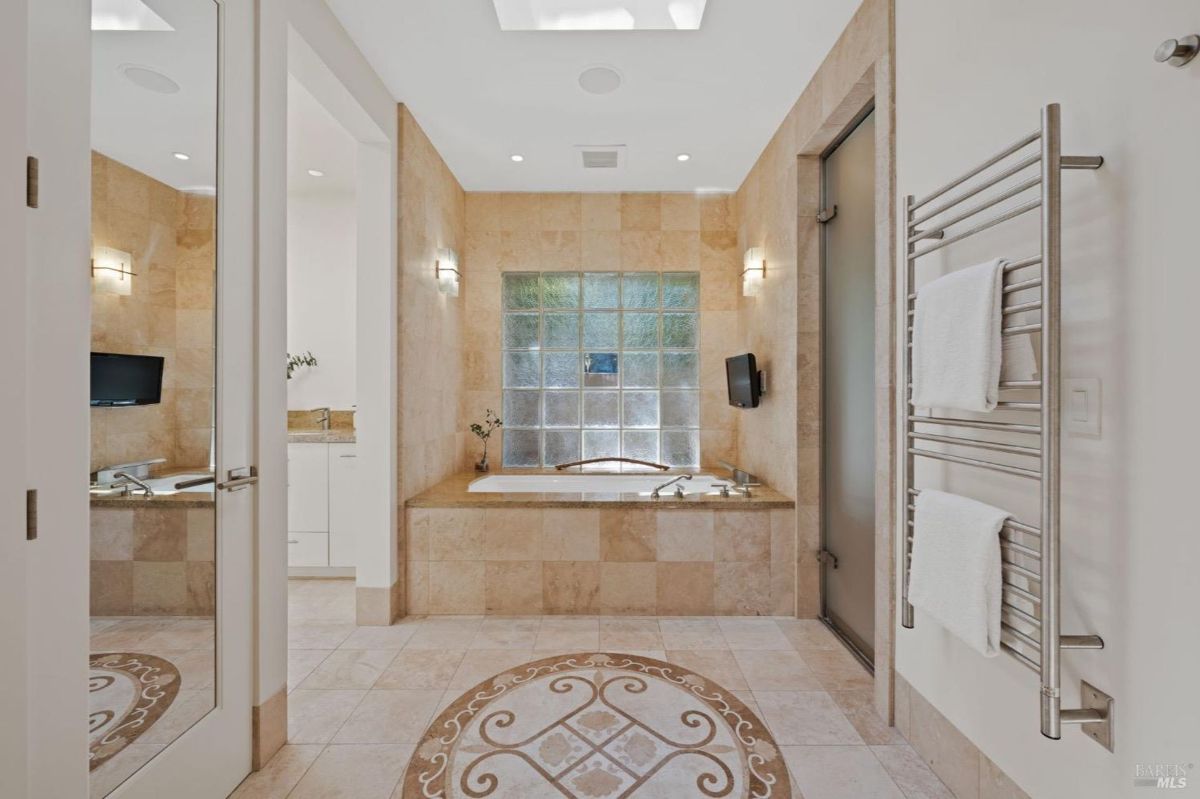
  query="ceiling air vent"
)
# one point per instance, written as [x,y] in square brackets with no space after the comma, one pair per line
[602,156]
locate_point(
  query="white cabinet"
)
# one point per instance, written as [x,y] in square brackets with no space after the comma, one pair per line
[322,504]
[343,502]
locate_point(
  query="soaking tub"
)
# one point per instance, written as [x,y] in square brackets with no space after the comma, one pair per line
[642,484]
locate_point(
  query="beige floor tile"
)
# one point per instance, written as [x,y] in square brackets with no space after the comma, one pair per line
[444,633]
[749,701]
[120,767]
[315,716]
[188,708]
[808,634]
[775,670]
[301,663]
[421,669]
[838,670]
[691,633]
[568,635]
[506,634]
[839,772]
[369,771]
[859,707]
[909,772]
[393,637]
[717,665]
[318,634]
[480,664]
[277,779]
[745,633]
[805,718]
[389,717]
[349,669]
[197,667]
[625,634]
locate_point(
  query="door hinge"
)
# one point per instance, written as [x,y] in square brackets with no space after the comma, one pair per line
[31,520]
[31,181]
[825,556]
[826,214]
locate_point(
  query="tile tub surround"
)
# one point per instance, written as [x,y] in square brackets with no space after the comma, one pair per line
[169,313]
[154,558]
[625,558]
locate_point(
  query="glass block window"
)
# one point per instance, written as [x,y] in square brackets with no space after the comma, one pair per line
[601,364]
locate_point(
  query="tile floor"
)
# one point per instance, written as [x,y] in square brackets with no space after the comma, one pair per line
[360,697]
[188,643]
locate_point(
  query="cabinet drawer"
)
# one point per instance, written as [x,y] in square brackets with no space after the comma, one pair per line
[308,549]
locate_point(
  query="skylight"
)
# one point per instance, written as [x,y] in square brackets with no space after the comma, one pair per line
[126,15]
[599,15]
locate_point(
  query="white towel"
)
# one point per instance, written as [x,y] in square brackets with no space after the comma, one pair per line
[955,576]
[956,340]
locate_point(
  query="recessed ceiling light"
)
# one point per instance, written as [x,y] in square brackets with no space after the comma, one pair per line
[683,157]
[316,173]
[149,79]
[182,156]
[600,80]
[517,158]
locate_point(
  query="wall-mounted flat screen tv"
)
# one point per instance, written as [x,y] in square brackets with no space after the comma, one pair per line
[744,381]
[119,380]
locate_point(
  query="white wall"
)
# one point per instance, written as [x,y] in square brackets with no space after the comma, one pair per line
[321,275]
[972,76]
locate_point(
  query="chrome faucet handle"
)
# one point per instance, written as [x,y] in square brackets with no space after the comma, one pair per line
[723,488]
[678,491]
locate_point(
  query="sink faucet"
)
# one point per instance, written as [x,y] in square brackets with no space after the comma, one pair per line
[131,480]
[655,494]
[323,419]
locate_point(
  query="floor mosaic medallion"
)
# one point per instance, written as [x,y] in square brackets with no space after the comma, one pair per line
[597,726]
[128,692]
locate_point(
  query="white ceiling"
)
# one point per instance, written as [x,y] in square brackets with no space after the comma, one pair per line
[482,94]
[142,128]
[315,140]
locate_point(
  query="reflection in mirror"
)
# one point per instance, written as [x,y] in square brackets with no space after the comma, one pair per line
[153,578]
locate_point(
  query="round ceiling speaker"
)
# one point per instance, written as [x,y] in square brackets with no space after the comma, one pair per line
[600,80]
[148,79]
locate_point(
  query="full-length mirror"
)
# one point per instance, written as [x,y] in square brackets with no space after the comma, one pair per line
[153,276]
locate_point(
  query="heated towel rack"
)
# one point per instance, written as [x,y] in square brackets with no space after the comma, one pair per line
[1028,172]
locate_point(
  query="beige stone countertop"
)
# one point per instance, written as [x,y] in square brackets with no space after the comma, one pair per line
[191,499]
[321,437]
[452,493]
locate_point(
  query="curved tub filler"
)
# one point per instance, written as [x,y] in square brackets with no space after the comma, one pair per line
[591,484]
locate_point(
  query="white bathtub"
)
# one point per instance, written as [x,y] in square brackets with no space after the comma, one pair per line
[590,484]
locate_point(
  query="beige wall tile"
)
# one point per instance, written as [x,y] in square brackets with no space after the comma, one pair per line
[742,536]
[160,588]
[685,535]
[561,211]
[160,534]
[946,750]
[628,535]
[512,534]
[685,589]
[571,587]
[111,587]
[680,212]
[455,534]
[513,587]
[201,534]
[628,588]
[601,211]
[112,534]
[641,211]
[571,535]
[742,589]
[455,587]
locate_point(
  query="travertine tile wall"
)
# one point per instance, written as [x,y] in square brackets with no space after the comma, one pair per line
[432,208]
[153,561]
[780,441]
[584,561]
[169,313]
[601,232]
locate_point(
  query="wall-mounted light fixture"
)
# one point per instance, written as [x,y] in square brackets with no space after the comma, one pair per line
[445,269]
[754,271]
[112,271]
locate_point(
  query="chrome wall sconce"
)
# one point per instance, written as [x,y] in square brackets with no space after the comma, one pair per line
[445,270]
[112,270]
[754,272]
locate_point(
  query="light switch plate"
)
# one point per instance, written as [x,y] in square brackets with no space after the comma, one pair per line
[1081,406]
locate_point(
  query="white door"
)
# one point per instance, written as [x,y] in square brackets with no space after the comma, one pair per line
[45,328]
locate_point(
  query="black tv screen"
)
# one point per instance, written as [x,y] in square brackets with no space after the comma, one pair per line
[126,379]
[745,385]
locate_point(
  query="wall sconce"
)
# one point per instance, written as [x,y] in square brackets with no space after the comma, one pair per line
[754,271]
[445,269]
[112,271]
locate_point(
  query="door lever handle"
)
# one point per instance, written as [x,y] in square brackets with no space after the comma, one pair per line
[239,478]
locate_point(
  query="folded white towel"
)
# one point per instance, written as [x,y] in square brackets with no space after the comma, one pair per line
[956,339]
[955,576]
